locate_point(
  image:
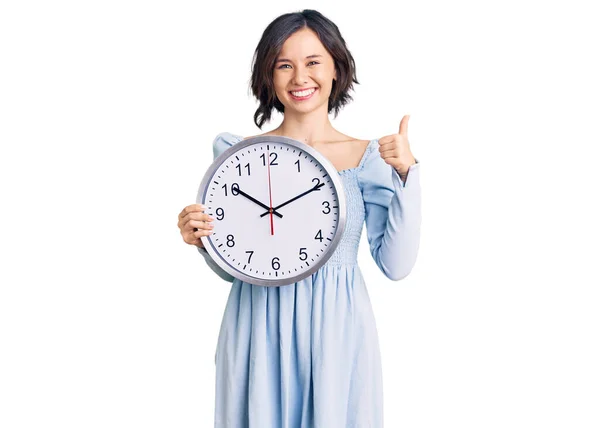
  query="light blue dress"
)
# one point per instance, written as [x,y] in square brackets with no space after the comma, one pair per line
[307,354]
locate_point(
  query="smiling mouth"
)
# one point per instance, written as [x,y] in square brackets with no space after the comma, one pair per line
[305,94]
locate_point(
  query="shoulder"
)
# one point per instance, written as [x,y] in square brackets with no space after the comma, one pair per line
[259,135]
[373,170]
[228,137]
[370,153]
[223,141]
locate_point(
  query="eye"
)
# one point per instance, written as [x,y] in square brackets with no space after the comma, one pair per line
[288,64]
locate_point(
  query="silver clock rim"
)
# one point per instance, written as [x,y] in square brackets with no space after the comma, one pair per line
[337,184]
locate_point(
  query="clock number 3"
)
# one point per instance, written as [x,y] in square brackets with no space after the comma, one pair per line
[326,203]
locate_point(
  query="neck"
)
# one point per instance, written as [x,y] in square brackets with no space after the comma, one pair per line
[311,128]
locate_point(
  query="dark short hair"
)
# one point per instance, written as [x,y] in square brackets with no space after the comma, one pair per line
[269,47]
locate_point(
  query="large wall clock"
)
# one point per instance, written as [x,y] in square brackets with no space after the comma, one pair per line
[279,210]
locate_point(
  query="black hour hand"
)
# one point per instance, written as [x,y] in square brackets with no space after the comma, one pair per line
[244,194]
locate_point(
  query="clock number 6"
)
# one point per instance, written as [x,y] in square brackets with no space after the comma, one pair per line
[274,262]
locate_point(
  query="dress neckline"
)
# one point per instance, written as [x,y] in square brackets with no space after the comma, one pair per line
[342,171]
[360,163]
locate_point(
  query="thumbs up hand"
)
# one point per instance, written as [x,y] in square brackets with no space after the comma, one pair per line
[395,151]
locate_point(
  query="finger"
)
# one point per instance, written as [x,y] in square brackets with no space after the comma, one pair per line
[392,145]
[191,213]
[191,209]
[200,216]
[200,224]
[194,238]
[404,125]
[202,232]
[387,139]
[389,155]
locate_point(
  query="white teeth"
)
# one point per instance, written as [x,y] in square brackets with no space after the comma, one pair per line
[303,93]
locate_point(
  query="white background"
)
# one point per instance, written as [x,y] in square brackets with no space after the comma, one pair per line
[107,115]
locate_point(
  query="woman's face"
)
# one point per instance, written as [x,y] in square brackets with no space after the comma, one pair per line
[296,69]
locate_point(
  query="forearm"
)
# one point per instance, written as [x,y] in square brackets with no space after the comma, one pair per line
[398,247]
[214,266]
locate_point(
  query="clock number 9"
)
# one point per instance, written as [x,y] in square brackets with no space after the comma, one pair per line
[220,213]
[326,203]
[274,262]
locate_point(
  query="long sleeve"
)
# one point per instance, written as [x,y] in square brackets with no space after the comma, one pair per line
[392,214]
[221,143]
[214,266]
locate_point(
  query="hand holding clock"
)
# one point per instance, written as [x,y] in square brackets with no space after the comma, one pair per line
[193,223]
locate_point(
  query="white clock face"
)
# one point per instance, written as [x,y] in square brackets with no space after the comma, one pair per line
[278,246]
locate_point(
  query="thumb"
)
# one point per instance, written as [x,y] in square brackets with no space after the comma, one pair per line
[404,124]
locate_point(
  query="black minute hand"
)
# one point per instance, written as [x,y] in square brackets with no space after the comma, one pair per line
[258,202]
[294,198]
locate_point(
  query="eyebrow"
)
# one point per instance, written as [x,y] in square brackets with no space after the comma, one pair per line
[285,59]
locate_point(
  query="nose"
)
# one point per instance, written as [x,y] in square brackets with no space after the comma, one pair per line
[300,76]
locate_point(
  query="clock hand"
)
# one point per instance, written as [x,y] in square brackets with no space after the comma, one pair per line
[270,194]
[258,202]
[294,198]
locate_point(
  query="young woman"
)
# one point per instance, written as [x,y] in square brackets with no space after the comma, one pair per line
[307,354]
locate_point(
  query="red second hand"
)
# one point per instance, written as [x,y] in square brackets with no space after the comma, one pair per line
[270,198]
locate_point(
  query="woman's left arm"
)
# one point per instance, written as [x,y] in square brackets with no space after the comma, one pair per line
[391,189]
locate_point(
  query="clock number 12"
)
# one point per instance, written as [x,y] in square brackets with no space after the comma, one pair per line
[273,155]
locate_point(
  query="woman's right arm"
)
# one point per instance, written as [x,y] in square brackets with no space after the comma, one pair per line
[194,223]
[214,266]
